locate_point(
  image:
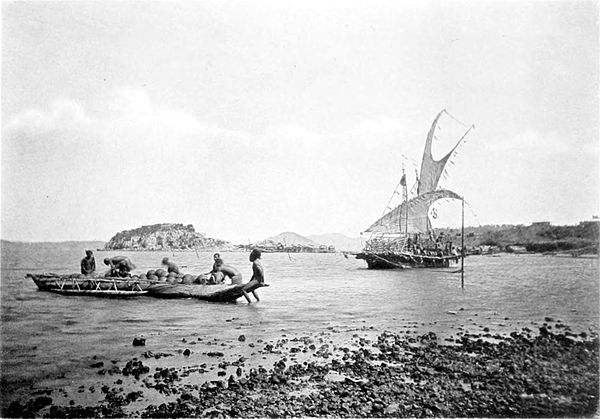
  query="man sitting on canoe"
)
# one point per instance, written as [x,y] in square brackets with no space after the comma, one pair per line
[88,263]
[228,272]
[119,266]
[215,257]
[215,276]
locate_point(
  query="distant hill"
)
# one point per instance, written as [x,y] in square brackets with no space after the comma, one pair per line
[165,236]
[286,239]
[290,239]
[339,241]
[537,237]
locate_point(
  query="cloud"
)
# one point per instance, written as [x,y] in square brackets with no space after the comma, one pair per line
[62,114]
[65,161]
[131,161]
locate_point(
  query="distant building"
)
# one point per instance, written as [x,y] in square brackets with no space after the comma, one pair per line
[595,221]
[540,224]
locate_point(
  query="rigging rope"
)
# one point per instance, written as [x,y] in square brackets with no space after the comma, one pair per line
[455,118]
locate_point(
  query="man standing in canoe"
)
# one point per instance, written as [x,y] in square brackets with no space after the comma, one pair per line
[119,266]
[88,263]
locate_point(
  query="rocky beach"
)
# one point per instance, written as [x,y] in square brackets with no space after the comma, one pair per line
[548,372]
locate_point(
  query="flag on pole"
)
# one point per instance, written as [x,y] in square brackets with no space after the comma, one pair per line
[403,180]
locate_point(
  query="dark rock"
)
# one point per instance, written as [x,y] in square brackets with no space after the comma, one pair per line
[40,402]
[187,352]
[242,338]
[135,368]
[139,341]
[134,395]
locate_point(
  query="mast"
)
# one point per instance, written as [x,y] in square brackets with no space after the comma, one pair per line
[462,245]
[405,200]
[405,193]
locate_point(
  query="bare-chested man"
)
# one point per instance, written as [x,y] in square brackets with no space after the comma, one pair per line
[119,266]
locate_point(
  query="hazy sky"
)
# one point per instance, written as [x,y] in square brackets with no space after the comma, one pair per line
[249,118]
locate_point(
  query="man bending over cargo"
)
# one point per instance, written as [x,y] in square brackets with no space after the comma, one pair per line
[119,266]
[228,272]
[171,267]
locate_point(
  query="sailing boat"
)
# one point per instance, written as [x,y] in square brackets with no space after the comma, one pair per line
[404,237]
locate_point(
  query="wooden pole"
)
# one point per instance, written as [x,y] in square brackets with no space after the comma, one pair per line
[462,246]
[406,211]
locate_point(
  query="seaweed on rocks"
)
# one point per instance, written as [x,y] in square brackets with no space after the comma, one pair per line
[519,375]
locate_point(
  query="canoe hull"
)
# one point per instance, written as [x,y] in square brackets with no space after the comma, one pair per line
[217,293]
[391,260]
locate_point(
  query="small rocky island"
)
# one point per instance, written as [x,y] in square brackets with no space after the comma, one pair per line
[164,236]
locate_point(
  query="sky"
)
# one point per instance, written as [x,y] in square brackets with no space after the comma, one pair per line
[250,118]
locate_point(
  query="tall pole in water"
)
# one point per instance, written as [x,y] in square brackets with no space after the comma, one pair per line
[462,246]
[405,192]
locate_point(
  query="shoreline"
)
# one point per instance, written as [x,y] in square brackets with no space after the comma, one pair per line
[550,372]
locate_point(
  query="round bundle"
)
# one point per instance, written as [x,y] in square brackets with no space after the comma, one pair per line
[187,279]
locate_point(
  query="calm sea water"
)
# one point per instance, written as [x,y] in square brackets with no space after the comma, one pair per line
[45,335]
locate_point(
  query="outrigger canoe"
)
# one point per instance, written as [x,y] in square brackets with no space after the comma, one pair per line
[132,287]
[90,285]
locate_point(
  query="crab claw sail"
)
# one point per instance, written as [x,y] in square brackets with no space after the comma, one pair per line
[431,170]
[417,210]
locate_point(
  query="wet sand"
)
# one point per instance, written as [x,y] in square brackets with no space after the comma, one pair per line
[547,372]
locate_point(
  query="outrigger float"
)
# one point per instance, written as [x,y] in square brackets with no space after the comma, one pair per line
[76,284]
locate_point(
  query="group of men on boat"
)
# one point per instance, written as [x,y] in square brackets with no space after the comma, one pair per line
[121,267]
[439,248]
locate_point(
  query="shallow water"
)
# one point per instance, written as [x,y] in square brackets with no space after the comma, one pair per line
[46,336]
